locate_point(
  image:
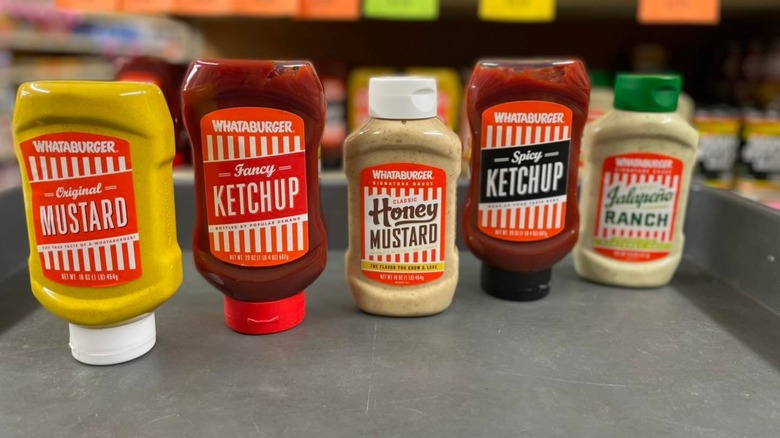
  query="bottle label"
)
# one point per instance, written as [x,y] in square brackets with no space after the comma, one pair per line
[254,173]
[83,208]
[403,223]
[637,206]
[525,170]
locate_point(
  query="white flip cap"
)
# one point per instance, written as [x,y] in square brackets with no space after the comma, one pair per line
[402,98]
[113,345]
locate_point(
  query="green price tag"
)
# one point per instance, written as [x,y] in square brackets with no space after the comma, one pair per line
[517,10]
[401,9]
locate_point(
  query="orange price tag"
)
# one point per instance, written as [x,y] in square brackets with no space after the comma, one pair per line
[149,6]
[329,10]
[274,8]
[678,11]
[89,5]
[204,7]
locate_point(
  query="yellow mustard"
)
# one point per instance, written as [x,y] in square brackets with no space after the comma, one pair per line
[96,161]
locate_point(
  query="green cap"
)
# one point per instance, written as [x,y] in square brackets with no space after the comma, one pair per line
[600,78]
[647,93]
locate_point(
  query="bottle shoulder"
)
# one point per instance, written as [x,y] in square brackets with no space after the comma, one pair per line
[427,136]
[621,125]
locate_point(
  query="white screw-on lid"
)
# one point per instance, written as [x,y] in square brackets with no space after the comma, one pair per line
[113,345]
[402,97]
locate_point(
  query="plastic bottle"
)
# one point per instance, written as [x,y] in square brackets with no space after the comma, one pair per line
[520,216]
[634,199]
[402,168]
[601,98]
[259,238]
[168,77]
[98,189]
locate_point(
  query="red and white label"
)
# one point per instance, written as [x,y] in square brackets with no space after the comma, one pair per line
[83,208]
[637,206]
[524,170]
[403,223]
[254,167]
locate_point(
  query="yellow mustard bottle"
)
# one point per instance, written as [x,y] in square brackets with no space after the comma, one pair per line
[96,160]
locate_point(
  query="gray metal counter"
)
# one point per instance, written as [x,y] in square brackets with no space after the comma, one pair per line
[699,357]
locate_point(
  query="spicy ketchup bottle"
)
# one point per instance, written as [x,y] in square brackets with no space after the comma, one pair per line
[520,216]
[259,237]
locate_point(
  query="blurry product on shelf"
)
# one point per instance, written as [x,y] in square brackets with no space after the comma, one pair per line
[520,216]
[769,93]
[464,130]
[719,140]
[357,92]
[333,82]
[449,92]
[402,169]
[752,72]
[98,190]
[649,58]
[9,174]
[636,192]
[601,99]
[602,95]
[62,31]
[728,90]
[760,153]
[259,237]
[169,78]
[686,107]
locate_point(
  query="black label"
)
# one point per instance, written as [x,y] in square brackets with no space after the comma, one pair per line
[524,172]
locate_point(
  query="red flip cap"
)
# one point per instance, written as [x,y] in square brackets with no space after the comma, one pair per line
[265,318]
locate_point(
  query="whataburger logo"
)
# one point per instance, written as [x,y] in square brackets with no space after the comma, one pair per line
[530,118]
[252,127]
[74,147]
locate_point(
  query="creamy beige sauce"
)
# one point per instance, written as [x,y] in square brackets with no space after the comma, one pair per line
[619,133]
[601,100]
[428,142]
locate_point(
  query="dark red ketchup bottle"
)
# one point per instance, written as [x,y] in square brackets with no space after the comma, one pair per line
[521,217]
[259,237]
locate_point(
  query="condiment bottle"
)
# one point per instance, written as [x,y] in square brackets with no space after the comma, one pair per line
[259,237]
[402,168]
[634,199]
[168,77]
[520,215]
[98,190]
[601,98]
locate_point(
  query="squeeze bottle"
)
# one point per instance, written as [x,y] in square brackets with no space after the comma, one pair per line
[635,196]
[259,237]
[402,168]
[520,216]
[98,189]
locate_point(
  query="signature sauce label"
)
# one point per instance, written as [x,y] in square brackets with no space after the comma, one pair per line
[254,171]
[637,206]
[83,208]
[524,170]
[403,226]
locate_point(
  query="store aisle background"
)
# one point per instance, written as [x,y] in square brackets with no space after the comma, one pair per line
[735,63]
